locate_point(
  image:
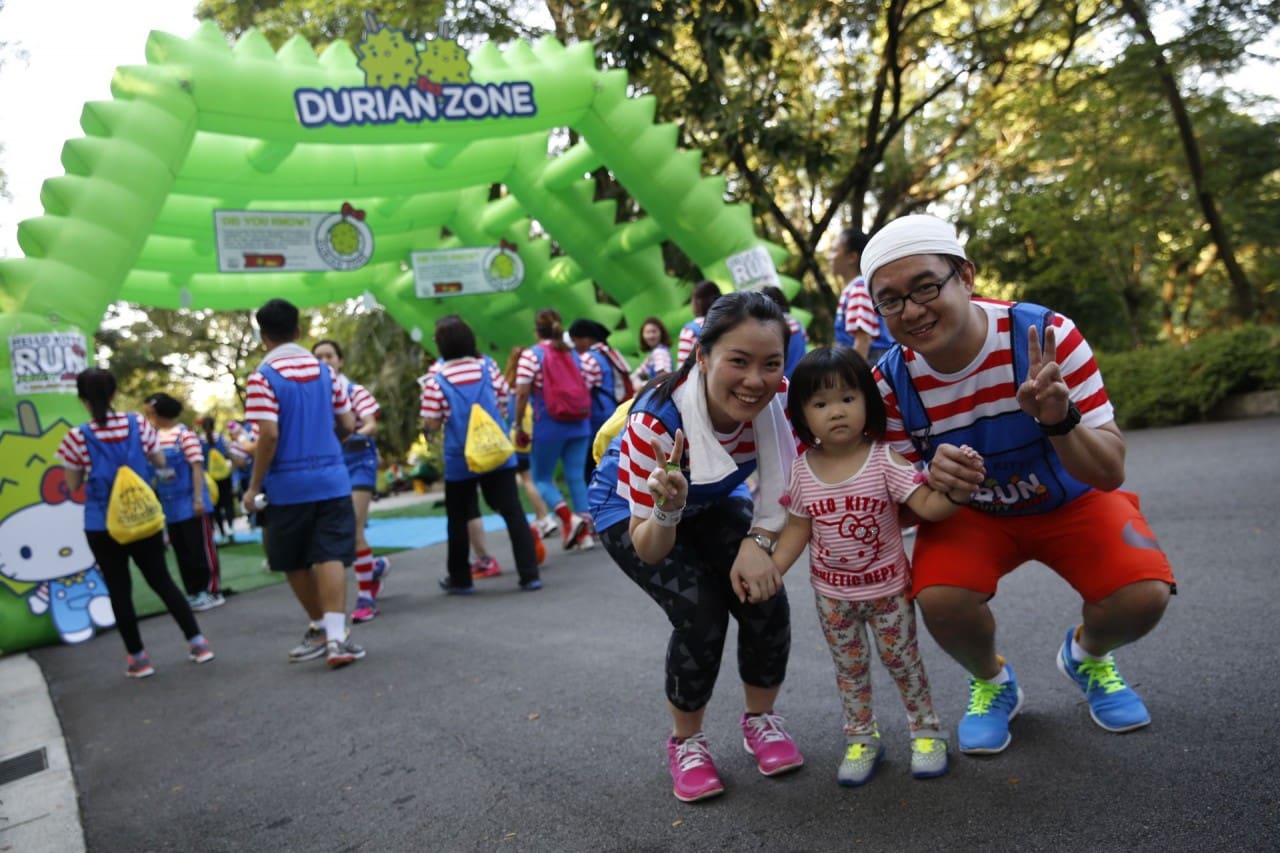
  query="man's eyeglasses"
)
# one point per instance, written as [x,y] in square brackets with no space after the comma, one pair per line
[894,305]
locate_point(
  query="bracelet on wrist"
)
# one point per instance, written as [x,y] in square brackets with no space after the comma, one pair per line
[947,495]
[665,518]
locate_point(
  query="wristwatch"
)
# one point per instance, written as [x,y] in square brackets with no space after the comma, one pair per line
[1064,426]
[764,542]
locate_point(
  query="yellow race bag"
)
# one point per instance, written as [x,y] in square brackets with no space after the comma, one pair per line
[609,429]
[133,510]
[219,467]
[487,445]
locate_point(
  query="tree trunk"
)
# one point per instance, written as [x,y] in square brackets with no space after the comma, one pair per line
[1242,301]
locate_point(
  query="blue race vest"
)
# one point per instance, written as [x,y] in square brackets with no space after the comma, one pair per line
[308,465]
[608,507]
[1024,474]
[104,460]
[175,494]
[455,429]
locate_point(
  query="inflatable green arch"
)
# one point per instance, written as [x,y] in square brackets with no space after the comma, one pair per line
[391,150]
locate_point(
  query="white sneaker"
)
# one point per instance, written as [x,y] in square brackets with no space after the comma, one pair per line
[547,526]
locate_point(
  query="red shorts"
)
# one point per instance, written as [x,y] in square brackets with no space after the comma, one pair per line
[1097,543]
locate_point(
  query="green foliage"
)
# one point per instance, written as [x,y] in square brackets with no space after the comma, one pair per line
[1168,385]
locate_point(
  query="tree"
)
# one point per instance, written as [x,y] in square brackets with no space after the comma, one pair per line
[380,355]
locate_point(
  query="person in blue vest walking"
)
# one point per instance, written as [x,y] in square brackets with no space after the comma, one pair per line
[188,507]
[1019,384]
[683,527]
[557,382]
[301,410]
[591,340]
[465,380]
[91,454]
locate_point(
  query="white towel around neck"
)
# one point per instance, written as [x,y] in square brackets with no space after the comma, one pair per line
[710,463]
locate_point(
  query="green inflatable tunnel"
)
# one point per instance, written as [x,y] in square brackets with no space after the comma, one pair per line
[429,179]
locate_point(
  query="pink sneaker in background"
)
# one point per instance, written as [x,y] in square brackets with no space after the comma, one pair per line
[693,773]
[764,737]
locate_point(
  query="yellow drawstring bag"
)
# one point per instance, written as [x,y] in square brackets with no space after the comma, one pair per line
[133,510]
[219,467]
[610,428]
[212,486]
[487,445]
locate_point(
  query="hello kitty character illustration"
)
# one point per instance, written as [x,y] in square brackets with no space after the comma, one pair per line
[44,544]
[862,529]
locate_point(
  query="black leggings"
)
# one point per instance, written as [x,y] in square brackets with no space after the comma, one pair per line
[148,554]
[224,511]
[194,551]
[461,505]
[691,585]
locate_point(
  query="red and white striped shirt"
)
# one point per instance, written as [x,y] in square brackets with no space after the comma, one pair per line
[363,404]
[636,460]
[459,372]
[855,545]
[688,339]
[294,364]
[986,387]
[186,440]
[529,371]
[859,312]
[74,451]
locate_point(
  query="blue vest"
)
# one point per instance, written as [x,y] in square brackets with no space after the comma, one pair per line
[175,494]
[882,341]
[1024,474]
[308,464]
[104,460]
[602,399]
[608,507]
[796,344]
[546,427]
[455,429]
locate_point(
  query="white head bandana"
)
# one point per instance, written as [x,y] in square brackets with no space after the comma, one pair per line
[918,234]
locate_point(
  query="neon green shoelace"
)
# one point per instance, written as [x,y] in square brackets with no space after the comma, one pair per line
[1102,673]
[981,695]
[925,745]
[856,751]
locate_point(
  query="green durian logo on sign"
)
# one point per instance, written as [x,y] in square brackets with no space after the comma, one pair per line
[411,83]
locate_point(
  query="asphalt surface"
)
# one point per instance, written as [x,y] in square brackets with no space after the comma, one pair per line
[535,721]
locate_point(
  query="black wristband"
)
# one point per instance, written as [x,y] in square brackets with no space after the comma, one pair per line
[947,495]
[1064,426]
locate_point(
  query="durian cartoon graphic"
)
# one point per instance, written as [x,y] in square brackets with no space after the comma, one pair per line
[388,58]
[344,237]
[385,56]
[502,266]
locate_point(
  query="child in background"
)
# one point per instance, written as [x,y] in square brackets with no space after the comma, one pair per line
[843,505]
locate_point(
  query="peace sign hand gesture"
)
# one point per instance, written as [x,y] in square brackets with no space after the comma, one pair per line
[1044,394]
[667,482]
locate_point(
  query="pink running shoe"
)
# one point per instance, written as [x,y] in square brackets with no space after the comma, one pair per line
[365,611]
[485,567]
[764,737]
[693,773]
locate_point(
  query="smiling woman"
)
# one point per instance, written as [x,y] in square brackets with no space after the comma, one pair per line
[685,521]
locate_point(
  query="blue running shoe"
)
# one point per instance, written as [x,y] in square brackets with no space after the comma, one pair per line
[984,729]
[449,587]
[1112,703]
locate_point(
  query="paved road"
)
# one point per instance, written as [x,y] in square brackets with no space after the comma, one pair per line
[535,722]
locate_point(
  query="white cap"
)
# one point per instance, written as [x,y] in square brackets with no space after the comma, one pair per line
[918,234]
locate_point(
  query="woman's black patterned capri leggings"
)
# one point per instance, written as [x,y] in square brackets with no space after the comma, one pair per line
[691,585]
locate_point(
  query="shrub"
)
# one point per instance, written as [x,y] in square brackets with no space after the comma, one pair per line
[1177,384]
